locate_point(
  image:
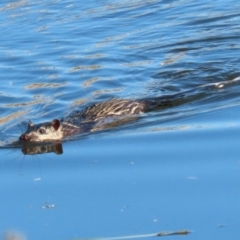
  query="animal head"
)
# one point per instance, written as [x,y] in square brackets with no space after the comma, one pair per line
[47,131]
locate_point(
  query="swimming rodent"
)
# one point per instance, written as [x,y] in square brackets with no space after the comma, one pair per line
[110,113]
[92,118]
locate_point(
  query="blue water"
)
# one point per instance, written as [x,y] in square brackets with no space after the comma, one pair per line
[169,170]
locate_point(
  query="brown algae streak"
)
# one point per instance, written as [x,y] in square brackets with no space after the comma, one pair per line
[78,68]
[12,116]
[44,85]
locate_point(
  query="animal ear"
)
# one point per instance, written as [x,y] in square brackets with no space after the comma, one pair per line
[30,123]
[56,124]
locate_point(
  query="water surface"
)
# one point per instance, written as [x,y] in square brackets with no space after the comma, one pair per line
[170,170]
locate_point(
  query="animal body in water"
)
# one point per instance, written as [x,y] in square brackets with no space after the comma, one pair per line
[111,113]
[93,118]
[97,117]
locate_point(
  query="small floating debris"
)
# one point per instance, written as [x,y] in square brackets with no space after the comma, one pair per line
[160,234]
[48,206]
[37,179]
[184,232]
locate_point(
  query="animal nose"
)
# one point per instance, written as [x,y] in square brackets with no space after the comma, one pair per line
[23,137]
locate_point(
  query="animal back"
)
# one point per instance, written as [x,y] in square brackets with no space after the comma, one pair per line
[112,108]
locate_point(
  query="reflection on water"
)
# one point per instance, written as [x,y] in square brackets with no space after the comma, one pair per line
[33,149]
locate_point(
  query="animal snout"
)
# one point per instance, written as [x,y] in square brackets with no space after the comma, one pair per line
[23,137]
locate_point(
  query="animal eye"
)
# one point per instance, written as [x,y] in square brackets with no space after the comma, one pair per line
[41,131]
